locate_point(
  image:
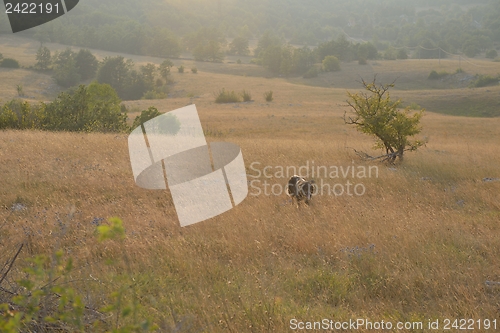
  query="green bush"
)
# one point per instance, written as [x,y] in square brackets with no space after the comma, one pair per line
[268,95]
[194,70]
[485,80]
[459,70]
[224,96]
[362,61]
[154,94]
[168,124]
[9,63]
[247,97]
[491,54]
[180,69]
[331,64]
[402,54]
[312,72]
[435,75]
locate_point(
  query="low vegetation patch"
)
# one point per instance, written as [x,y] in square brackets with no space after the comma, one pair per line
[224,96]
[247,97]
[434,75]
[485,80]
[268,95]
[9,63]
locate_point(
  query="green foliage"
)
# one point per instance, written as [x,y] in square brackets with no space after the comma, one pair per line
[268,96]
[391,53]
[128,83]
[344,50]
[313,72]
[224,96]
[247,97]
[402,54]
[239,46]
[374,113]
[164,69]
[47,300]
[434,75]
[491,54]
[86,64]
[362,61]
[65,70]
[180,69]
[167,124]
[285,59]
[20,91]
[485,80]
[267,40]
[18,114]
[331,64]
[95,108]
[471,50]
[367,51]
[209,51]
[9,63]
[43,58]
[194,70]
[113,231]
[154,94]
[145,115]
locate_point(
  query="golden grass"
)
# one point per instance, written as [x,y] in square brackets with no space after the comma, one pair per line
[432,220]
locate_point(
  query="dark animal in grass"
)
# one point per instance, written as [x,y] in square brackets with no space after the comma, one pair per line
[300,189]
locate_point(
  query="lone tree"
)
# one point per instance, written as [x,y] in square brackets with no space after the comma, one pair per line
[43,58]
[374,113]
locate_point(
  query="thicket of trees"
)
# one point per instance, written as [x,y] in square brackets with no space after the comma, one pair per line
[92,108]
[70,68]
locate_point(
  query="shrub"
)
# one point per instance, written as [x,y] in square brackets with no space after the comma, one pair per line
[491,54]
[247,97]
[362,61]
[268,95]
[331,64]
[435,75]
[145,115]
[9,63]
[226,97]
[459,70]
[194,70]
[154,94]
[238,61]
[485,80]
[312,72]
[168,124]
[414,106]
[402,54]
[180,69]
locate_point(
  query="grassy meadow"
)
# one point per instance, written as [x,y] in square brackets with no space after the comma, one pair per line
[421,244]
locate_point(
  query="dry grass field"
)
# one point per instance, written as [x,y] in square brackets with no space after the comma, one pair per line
[421,244]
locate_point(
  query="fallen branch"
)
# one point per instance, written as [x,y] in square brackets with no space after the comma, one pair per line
[11,263]
[385,157]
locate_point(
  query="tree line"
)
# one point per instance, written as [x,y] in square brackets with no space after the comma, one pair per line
[166,29]
[70,68]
